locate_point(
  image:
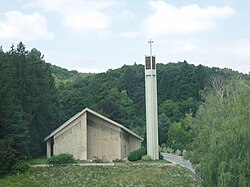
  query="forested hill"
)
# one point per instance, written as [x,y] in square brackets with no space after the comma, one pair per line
[119,94]
[62,75]
[36,97]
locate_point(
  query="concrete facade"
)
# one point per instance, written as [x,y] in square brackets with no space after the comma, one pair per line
[89,134]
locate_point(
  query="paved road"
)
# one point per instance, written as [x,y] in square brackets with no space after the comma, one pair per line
[175,159]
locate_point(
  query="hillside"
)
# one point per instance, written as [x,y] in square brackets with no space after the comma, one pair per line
[62,75]
[119,93]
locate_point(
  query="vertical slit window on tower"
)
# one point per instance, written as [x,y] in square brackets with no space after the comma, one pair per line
[148,65]
[153,62]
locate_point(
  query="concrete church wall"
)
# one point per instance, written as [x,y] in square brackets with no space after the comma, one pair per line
[129,143]
[103,139]
[125,148]
[134,143]
[73,139]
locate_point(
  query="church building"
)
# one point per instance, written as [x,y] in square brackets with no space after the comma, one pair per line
[89,134]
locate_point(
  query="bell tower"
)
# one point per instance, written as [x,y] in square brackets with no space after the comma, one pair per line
[151,105]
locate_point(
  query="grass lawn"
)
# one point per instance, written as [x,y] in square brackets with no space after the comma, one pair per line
[44,160]
[94,176]
[40,160]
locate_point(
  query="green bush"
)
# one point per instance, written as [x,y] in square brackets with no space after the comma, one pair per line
[137,154]
[61,159]
[20,167]
[146,158]
[96,159]
[117,160]
[7,155]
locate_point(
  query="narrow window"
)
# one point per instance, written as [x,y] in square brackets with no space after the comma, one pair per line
[153,62]
[147,62]
[125,149]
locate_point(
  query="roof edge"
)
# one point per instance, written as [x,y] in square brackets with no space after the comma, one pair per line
[65,124]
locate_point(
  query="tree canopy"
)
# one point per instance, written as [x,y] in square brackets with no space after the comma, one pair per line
[221,148]
[28,103]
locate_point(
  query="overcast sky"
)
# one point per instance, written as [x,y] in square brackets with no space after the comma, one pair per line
[97,35]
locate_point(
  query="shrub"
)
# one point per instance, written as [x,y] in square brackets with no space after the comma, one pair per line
[137,155]
[146,158]
[20,167]
[61,159]
[96,159]
[7,155]
[117,160]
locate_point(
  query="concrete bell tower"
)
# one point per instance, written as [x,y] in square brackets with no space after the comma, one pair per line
[151,105]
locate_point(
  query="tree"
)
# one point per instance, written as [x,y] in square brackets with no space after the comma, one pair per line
[14,137]
[220,148]
[28,109]
[39,101]
[132,80]
[187,82]
[164,123]
[180,134]
[217,85]
[118,106]
[171,109]
[7,155]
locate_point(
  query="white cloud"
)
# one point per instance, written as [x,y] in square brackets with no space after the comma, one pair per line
[22,27]
[131,34]
[124,15]
[81,16]
[89,20]
[232,54]
[169,20]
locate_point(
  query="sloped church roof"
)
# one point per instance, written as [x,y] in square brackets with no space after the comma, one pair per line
[95,114]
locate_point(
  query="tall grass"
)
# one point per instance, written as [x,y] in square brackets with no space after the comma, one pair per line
[118,175]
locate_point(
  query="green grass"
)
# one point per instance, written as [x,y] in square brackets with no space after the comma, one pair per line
[153,161]
[44,160]
[118,175]
[35,161]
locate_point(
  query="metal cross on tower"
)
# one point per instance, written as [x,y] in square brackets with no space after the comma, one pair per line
[150,44]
